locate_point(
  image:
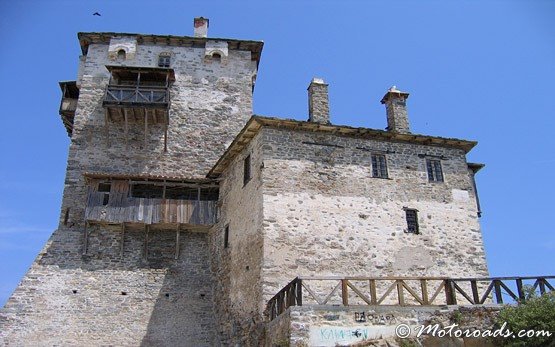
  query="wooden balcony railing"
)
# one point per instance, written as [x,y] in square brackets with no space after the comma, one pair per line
[150,211]
[404,291]
[144,96]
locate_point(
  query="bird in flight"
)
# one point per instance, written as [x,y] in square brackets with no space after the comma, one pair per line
[96,14]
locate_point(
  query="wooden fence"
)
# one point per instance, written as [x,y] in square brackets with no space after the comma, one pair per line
[404,291]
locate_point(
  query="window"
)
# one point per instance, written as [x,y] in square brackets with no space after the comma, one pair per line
[247,169]
[105,188]
[379,166]
[412,220]
[121,55]
[164,60]
[226,236]
[435,174]
[216,57]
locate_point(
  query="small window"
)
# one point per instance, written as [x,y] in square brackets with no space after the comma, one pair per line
[164,60]
[412,221]
[105,189]
[216,57]
[435,174]
[247,170]
[121,55]
[379,166]
[226,236]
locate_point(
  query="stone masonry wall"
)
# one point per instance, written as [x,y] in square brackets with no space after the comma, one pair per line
[324,215]
[210,103]
[237,269]
[103,299]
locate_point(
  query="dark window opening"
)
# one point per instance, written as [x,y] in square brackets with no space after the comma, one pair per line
[121,55]
[412,221]
[216,57]
[66,216]
[105,188]
[247,169]
[226,236]
[181,193]
[379,166]
[147,191]
[164,61]
[435,174]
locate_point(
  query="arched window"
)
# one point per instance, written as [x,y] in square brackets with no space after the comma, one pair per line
[121,55]
[216,57]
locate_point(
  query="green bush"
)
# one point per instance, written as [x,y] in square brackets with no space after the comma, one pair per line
[536,313]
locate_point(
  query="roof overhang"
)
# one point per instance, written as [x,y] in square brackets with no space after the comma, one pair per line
[145,177]
[256,123]
[255,47]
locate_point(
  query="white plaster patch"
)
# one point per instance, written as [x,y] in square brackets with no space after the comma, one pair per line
[127,43]
[326,335]
[460,195]
[216,47]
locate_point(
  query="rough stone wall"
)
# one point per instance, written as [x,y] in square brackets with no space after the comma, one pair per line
[397,117]
[318,102]
[103,299]
[324,213]
[210,103]
[237,269]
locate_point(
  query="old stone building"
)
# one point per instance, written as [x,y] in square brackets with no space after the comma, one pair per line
[183,213]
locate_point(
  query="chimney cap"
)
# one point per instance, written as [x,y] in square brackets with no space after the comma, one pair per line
[201,20]
[395,93]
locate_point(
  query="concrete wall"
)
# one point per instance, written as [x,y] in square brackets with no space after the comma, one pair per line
[325,215]
[237,269]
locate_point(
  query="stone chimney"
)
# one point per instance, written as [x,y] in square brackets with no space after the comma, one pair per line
[396,108]
[318,102]
[201,27]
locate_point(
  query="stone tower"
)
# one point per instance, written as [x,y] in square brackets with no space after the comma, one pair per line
[148,116]
[183,214]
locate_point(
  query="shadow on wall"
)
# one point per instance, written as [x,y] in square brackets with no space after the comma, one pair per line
[123,300]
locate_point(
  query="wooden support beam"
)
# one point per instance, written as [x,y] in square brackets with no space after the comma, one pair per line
[146,126]
[177,235]
[400,294]
[475,296]
[373,295]
[166,131]
[86,239]
[145,251]
[344,292]
[126,128]
[122,241]
[424,288]
[106,129]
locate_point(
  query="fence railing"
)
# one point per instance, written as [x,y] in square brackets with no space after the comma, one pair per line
[405,291]
[136,95]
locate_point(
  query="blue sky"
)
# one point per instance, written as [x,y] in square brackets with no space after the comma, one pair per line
[480,70]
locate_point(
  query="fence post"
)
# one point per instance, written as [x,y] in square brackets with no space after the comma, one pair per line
[450,295]
[497,287]
[344,294]
[299,291]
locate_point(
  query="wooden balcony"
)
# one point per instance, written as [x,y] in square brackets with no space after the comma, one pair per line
[149,202]
[136,97]
[68,104]
[150,211]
